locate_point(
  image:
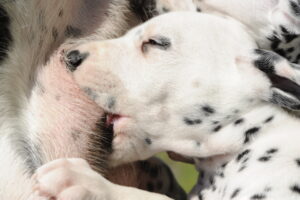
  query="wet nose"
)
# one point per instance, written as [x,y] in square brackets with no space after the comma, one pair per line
[74,59]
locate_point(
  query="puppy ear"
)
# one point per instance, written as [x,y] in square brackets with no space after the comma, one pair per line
[284,76]
[144,9]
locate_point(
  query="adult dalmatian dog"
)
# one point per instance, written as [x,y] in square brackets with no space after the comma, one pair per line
[162,97]
[24,110]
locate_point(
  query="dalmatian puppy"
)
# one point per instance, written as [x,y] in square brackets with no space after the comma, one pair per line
[275,24]
[168,86]
[44,114]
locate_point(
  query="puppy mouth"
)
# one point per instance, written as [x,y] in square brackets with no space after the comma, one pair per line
[110,121]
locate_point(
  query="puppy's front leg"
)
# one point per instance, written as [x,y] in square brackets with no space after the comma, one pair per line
[74,179]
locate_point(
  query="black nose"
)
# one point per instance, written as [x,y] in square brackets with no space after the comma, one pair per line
[74,59]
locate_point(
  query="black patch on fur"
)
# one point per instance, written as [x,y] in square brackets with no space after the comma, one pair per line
[191,122]
[208,110]
[269,119]
[249,133]
[258,196]
[235,193]
[288,36]
[148,141]
[165,10]
[72,32]
[218,128]
[5,34]
[242,155]
[295,8]
[296,189]
[144,9]
[268,155]
[74,59]
[198,9]
[111,103]
[298,162]
[239,121]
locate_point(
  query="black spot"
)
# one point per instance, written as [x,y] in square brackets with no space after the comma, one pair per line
[298,162]
[54,34]
[242,168]
[72,32]
[215,122]
[150,187]
[74,59]
[144,10]
[5,34]
[190,122]
[268,155]
[264,158]
[295,8]
[269,119]
[249,133]
[148,141]
[198,9]
[208,110]
[242,155]
[198,143]
[216,129]
[258,196]
[235,193]
[296,189]
[239,121]
[224,165]
[272,151]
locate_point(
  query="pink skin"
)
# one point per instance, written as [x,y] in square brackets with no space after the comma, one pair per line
[64,117]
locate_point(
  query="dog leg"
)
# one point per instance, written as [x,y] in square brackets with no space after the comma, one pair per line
[74,179]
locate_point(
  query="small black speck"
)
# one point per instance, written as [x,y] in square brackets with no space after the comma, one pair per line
[298,162]
[258,196]
[148,141]
[216,129]
[271,151]
[269,119]
[242,155]
[235,193]
[264,158]
[198,9]
[239,121]
[242,168]
[190,122]
[208,109]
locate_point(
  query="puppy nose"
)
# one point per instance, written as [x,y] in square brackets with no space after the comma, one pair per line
[74,59]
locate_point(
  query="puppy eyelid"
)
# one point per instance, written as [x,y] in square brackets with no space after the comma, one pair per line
[160,42]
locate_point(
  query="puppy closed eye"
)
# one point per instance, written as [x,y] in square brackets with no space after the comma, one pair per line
[159,42]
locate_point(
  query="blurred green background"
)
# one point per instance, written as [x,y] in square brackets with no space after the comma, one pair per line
[185,174]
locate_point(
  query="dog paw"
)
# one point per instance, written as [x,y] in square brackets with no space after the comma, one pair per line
[69,179]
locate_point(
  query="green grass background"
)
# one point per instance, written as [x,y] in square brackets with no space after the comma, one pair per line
[185,174]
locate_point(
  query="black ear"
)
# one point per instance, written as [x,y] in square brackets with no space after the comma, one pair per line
[144,9]
[284,76]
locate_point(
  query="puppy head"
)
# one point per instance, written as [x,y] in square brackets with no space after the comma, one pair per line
[170,80]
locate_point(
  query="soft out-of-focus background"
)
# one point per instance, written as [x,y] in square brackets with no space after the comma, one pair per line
[185,174]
